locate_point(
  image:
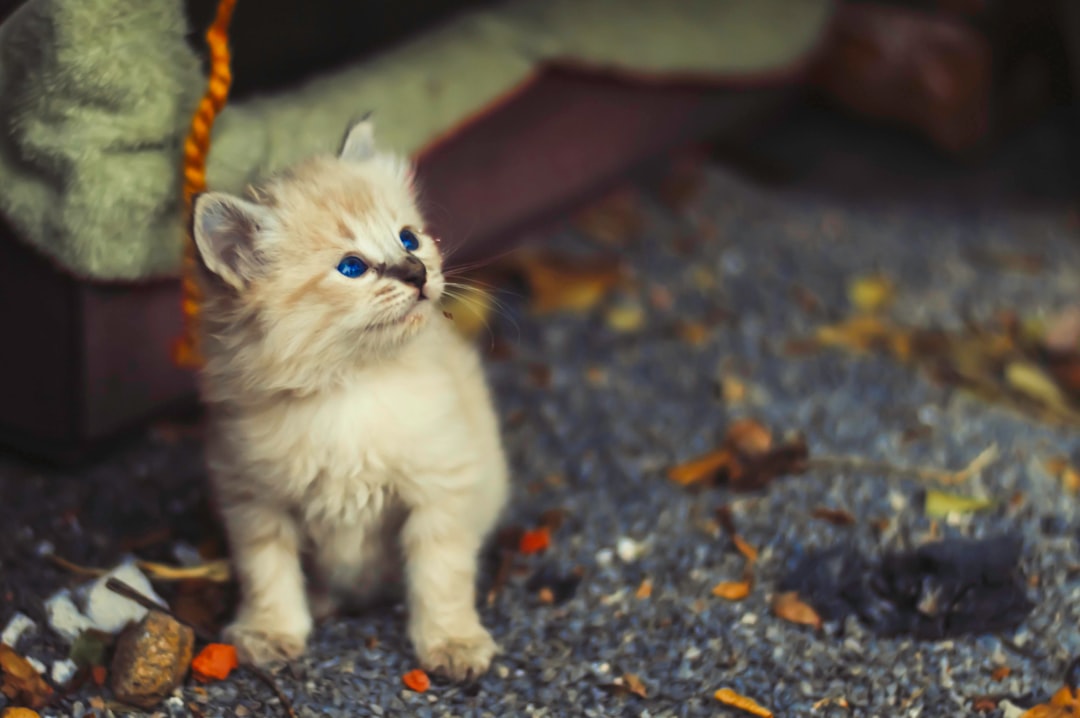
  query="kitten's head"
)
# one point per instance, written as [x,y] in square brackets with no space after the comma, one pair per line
[324,262]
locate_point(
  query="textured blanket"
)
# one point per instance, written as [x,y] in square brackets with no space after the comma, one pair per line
[96,97]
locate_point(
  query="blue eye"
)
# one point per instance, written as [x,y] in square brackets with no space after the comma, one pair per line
[409,240]
[352,267]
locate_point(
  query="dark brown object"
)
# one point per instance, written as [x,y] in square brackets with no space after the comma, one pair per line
[152,658]
[929,72]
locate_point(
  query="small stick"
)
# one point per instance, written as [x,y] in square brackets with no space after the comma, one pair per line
[269,680]
[117,586]
[925,473]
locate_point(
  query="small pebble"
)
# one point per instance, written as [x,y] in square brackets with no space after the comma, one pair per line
[19,625]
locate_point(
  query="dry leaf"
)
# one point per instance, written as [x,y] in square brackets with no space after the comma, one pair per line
[693,333]
[732,389]
[748,705]
[1000,673]
[858,334]
[644,590]
[217,571]
[1032,381]
[535,541]
[732,590]
[837,517]
[748,551]
[22,684]
[1060,468]
[701,468]
[871,294]
[214,663]
[748,436]
[940,504]
[15,712]
[630,683]
[625,318]
[559,284]
[791,608]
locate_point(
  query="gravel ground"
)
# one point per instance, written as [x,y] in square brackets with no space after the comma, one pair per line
[621,407]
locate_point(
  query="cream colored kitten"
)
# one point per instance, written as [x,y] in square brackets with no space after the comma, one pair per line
[350,426]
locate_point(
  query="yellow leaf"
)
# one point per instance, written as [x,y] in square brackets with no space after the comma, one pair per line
[1035,383]
[858,334]
[19,713]
[748,705]
[871,294]
[563,284]
[732,590]
[940,504]
[216,571]
[626,318]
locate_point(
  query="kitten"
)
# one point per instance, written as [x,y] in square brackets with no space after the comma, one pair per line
[351,428]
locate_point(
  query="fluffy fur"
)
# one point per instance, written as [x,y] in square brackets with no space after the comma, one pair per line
[352,431]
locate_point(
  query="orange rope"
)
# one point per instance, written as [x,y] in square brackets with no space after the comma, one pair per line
[196,148]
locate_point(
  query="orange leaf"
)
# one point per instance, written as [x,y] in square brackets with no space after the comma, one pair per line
[214,663]
[644,590]
[416,680]
[99,673]
[634,685]
[21,681]
[535,540]
[1000,673]
[744,548]
[790,607]
[732,590]
[701,468]
[748,705]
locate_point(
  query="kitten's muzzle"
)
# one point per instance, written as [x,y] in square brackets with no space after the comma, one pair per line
[411,271]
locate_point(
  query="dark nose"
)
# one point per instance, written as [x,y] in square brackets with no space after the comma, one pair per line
[410,271]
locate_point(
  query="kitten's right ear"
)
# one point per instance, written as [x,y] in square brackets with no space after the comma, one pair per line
[359,142]
[226,232]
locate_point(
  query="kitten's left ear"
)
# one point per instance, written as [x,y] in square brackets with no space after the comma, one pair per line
[359,142]
[226,231]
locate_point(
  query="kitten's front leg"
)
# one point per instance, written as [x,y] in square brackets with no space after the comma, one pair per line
[273,621]
[441,551]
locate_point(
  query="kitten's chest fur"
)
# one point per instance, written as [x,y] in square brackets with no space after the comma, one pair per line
[354,453]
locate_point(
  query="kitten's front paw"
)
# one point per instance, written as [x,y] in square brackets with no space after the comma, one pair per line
[259,646]
[461,658]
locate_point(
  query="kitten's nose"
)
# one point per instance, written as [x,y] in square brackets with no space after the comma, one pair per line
[411,271]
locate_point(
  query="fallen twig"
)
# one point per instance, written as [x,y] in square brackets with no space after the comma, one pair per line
[268,679]
[926,473]
[214,571]
[117,586]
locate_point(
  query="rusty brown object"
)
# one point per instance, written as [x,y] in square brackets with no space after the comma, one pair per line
[152,658]
[926,71]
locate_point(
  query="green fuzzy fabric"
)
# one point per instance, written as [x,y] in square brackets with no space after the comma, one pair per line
[97,96]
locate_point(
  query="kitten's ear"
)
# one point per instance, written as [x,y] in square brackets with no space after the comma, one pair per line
[359,142]
[226,231]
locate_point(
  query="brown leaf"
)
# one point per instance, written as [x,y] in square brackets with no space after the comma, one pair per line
[644,590]
[837,517]
[984,704]
[791,608]
[749,437]
[732,590]
[1000,673]
[634,685]
[22,684]
[726,520]
[748,705]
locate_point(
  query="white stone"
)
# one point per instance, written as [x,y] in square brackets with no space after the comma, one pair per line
[109,611]
[604,557]
[38,665]
[1010,710]
[628,549]
[64,616]
[19,624]
[63,671]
